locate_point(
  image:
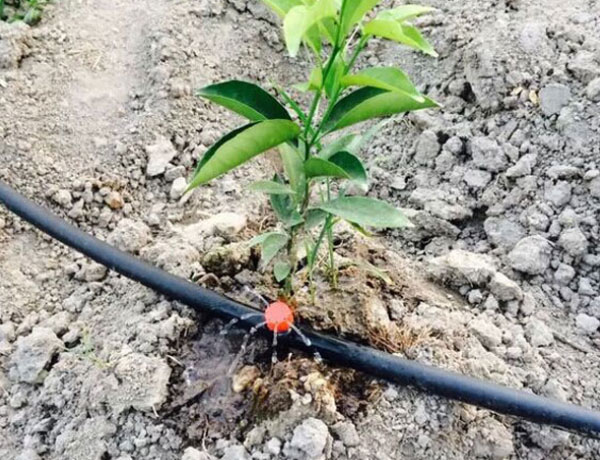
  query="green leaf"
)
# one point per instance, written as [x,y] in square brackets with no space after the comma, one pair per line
[332,82]
[281,7]
[313,218]
[285,208]
[363,231]
[281,270]
[366,211]
[300,19]
[354,11]
[241,145]
[341,164]
[294,169]
[327,28]
[270,187]
[271,246]
[401,33]
[366,103]
[404,12]
[260,239]
[246,99]
[347,143]
[388,78]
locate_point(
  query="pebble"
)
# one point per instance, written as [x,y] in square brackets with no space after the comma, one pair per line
[504,288]
[273,446]
[538,334]
[564,274]
[487,154]
[33,353]
[586,323]
[503,232]
[523,167]
[347,433]
[554,97]
[573,241]
[177,188]
[130,235]
[592,90]
[309,440]
[460,267]
[531,255]
[559,194]
[488,334]
[63,198]
[427,147]
[476,178]
[114,200]
[236,452]
[159,155]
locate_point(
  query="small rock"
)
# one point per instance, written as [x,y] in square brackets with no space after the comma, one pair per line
[504,288]
[496,441]
[142,383]
[33,353]
[487,154]
[229,259]
[587,323]
[594,186]
[130,235]
[347,433]
[447,211]
[563,172]
[460,267]
[159,155]
[254,437]
[174,173]
[177,188]
[224,224]
[427,147]
[564,274]
[559,194]
[503,232]
[93,271]
[309,440]
[236,452]
[273,446]
[531,255]
[523,167]
[554,97]
[488,334]
[585,287]
[476,178]
[592,91]
[63,198]
[584,66]
[28,454]
[114,200]
[538,334]
[194,454]
[573,241]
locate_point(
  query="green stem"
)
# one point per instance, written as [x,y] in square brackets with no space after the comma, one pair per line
[332,267]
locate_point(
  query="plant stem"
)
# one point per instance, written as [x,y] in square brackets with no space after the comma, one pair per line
[332,267]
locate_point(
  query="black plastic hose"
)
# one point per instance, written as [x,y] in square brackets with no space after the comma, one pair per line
[341,352]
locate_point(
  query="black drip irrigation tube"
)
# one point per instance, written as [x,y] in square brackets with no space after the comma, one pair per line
[340,352]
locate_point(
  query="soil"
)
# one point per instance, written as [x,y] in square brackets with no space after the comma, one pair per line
[499,279]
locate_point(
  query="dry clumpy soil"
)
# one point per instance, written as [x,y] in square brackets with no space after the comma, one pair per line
[503,184]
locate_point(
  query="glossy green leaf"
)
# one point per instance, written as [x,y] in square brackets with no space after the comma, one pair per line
[327,28]
[388,78]
[300,19]
[354,11]
[367,103]
[271,246]
[312,38]
[241,145]
[366,211]
[246,99]
[404,12]
[281,7]
[294,169]
[281,270]
[270,187]
[401,33]
[342,165]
